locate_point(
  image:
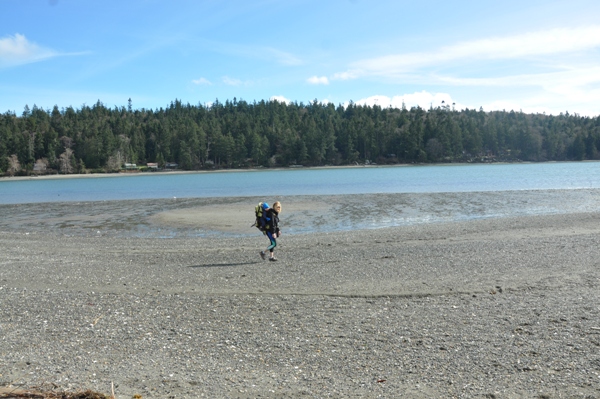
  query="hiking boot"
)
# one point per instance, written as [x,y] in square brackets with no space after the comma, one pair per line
[273,259]
[262,255]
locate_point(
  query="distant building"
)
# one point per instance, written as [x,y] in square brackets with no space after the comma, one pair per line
[130,166]
[152,165]
[171,165]
[39,167]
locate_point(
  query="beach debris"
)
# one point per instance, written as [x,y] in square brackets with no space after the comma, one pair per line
[96,320]
[380,381]
[21,393]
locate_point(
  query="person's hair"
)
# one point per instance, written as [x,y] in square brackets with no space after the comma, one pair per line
[276,205]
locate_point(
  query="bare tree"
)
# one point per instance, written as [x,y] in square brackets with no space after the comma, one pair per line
[115,161]
[124,148]
[65,164]
[13,165]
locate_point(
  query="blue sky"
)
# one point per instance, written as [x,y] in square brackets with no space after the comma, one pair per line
[529,55]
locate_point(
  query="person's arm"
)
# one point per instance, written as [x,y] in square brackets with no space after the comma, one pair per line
[276,225]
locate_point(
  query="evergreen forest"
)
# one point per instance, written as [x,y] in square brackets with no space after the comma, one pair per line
[238,134]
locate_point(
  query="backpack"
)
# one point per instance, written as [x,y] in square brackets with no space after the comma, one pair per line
[258,213]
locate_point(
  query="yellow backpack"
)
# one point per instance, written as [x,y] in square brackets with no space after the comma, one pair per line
[258,213]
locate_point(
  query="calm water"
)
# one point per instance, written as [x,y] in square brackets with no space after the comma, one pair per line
[360,180]
[123,205]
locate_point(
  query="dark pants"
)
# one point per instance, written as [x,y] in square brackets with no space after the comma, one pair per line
[273,241]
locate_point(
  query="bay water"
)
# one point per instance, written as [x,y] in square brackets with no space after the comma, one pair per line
[122,205]
[313,181]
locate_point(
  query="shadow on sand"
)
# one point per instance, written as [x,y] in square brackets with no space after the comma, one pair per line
[226,264]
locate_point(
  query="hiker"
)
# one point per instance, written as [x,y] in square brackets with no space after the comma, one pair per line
[269,224]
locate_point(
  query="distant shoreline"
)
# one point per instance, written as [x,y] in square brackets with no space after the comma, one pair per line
[179,172]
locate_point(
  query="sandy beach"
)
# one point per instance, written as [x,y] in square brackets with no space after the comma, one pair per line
[490,308]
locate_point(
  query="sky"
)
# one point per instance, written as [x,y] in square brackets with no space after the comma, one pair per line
[522,55]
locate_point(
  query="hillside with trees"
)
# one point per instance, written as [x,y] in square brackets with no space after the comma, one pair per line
[238,134]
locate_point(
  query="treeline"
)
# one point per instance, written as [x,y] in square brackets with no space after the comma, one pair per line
[238,134]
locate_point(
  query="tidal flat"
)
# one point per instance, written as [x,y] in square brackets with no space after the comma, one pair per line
[504,307]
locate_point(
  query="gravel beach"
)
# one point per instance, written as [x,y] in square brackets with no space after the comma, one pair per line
[491,308]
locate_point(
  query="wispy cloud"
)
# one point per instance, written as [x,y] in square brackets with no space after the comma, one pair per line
[523,46]
[265,53]
[529,44]
[347,75]
[202,82]
[546,70]
[318,80]
[231,81]
[567,75]
[17,50]
[284,58]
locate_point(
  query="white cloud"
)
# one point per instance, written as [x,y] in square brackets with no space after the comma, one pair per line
[573,88]
[547,71]
[553,103]
[17,50]
[202,81]
[575,100]
[348,75]
[284,58]
[265,53]
[316,80]
[568,76]
[528,45]
[280,99]
[231,81]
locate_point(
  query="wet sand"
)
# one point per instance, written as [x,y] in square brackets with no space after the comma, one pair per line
[210,217]
[498,307]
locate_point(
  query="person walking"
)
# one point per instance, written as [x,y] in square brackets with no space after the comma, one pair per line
[270,226]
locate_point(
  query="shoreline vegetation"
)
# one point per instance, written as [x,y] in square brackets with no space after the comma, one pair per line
[179,171]
[237,134]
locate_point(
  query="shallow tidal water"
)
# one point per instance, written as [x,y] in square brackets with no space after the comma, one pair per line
[136,218]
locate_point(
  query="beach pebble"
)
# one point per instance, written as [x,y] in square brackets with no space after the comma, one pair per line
[504,308]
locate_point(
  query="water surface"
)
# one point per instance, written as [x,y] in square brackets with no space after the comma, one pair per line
[357,198]
[316,181]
